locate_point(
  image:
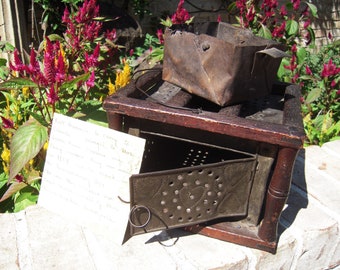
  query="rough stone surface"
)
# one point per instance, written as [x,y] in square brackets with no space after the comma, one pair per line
[309,234]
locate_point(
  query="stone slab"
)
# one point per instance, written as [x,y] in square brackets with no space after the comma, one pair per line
[8,243]
[319,230]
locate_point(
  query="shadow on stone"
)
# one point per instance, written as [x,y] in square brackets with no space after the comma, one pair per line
[298,195]
[168,238]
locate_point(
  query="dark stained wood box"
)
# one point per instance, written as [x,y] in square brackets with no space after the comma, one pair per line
[269,127]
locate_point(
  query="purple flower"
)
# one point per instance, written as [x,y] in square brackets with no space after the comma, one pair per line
[52,95]
[308,70]
[181,15]
[329,69]
[283,11]
[160,36]
[90,81]
[279,31]
[49,67]
[296,4]
[17,65]
[7,123]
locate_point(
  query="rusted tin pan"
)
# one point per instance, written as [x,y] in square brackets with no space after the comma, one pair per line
[220,62]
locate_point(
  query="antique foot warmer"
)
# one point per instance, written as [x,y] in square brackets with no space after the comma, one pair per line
[224,172]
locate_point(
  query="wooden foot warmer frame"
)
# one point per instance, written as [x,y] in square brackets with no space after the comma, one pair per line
[269,128]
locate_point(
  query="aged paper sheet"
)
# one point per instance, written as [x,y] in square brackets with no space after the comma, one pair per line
[87,168]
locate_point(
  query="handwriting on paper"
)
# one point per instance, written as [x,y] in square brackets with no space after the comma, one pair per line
[87,168]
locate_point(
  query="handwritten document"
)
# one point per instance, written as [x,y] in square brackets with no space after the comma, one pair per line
[87,168]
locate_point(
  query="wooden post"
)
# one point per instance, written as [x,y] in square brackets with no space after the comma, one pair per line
[277,193]
[12,24]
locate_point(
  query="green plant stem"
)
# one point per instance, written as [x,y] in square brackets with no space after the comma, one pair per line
[45,105]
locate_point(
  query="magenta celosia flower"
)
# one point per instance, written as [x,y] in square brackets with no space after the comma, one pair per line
[293,60]
[91,61]
[279,31]
[250,15]
[333,83]
[19,178]
[283,11]
[308,70]
[241,4]
[66,16]
[90,81]
[49,66]
[338,92]
[269,5]
[17,65]
[33,66]
[294,48]
[91,30]
[85,16]
[111,34]
[306,24]
[61,69]
[52,95]
[296,4]
[329,69]
[181,15]
[7,123]
[87,11]
[219,18]
[160,36]
[295,78]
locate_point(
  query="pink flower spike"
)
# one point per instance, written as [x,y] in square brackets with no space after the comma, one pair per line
[90,81]
[330,36]
[17,65]
[66,16]
[19,178]
[52,95]
[219,18]
[181,15]
[283,11]
[296,4]
[160,36]
[7,123]
[306,24]
[329,69]
[308,71]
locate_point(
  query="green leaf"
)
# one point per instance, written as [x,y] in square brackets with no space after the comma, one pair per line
[312,35]
[12,189]
[39,118]
[17,83]
[167,22]
[313,95]
[313,9]
[292,27]
[73,82]
[26,144]
[23,204]
[264,32]
[3,62]
[55,37]
[301,55]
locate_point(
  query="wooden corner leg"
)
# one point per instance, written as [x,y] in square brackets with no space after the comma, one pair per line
[277,194]
[115,121]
